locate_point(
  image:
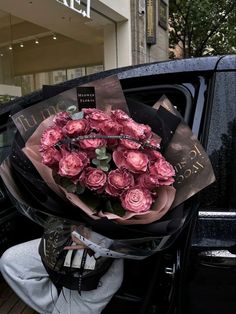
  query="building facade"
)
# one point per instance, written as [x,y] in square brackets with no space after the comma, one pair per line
[47,42]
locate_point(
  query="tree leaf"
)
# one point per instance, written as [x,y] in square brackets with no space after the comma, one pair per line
[202,27]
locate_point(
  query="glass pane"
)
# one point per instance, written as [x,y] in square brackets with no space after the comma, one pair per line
[42,79]
[74,73]
[26,82]
[5,143]
[94,69]
[58,76]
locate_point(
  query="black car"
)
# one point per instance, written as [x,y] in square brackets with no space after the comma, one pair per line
[195,272]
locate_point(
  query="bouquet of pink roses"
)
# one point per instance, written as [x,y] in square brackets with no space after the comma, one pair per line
[107,164]
[108,174]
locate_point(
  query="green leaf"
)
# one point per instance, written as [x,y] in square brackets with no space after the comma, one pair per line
[95,162]
[78,115]
[92,201]
[80,189]
[108,157]
[100,151]
[102,157]
[71,188]
[109,207]
[56,176]
[65,182]
[118,209]
[115,208]
[105,168]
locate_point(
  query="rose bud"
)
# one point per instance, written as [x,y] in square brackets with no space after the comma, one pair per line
[92,143]
[61,118]
[164,171]
[136,200]
[72,164]
[51,136]
[50,156]
[94,178]
[134,161]
[74,128]
[118,181]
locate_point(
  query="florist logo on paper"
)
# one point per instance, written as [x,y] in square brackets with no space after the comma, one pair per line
[76,6]
[191,165]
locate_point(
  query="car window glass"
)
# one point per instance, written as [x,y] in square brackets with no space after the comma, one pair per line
[221,144]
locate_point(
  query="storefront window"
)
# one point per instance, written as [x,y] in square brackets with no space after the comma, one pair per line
[94,69]
[21,66]
[58,76]
[26,82]
[74,73]
[32,82]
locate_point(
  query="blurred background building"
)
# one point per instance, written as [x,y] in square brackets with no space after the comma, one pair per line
[47,42]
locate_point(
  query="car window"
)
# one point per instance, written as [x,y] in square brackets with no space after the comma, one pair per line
[220,143]
[178,95]
[187,94]
[6,137]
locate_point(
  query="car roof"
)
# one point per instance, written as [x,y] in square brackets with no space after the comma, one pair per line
[202,64]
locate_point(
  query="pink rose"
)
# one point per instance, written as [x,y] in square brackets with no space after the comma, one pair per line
[111,128]
[130,144]
[76,127]
[164,171]
[88,111]
[94,179]
[118,181]
[154,154]
[148,181]
[138,130]
[136,200]
[72,164]
[96,118]
[51,136]
[50,156]
[93,143]
[132,160]
[119,115]
[135,130]
[61,118]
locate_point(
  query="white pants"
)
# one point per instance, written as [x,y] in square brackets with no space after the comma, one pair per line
[23,270]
